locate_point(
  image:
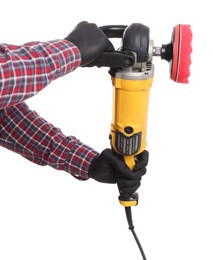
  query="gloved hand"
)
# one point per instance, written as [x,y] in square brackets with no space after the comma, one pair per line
[109,168]
[90,40]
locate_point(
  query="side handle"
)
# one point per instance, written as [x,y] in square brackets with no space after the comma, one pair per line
[114,59]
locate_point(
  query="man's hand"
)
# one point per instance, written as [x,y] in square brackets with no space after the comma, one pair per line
[109,168]
[90,40]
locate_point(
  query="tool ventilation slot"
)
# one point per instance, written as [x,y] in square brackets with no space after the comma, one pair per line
[128,145]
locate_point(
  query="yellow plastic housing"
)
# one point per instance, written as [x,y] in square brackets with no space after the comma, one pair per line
[130,108]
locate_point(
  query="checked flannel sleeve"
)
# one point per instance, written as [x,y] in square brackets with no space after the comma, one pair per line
[27,69]
[23,131]
[24,71]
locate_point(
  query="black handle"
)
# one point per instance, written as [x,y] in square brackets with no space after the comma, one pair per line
[113,31]
[114,59]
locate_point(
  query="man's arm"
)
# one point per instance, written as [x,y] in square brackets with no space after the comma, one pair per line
[25,70]
[23,131]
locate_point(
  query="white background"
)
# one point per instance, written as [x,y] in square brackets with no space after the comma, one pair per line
[47,214]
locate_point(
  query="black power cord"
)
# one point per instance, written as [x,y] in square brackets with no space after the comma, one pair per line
[131,227]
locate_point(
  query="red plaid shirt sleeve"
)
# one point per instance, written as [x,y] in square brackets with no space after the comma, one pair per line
[24,71]
[23,131]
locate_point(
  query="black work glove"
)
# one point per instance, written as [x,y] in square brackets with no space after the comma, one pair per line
[90,40]
[109,168]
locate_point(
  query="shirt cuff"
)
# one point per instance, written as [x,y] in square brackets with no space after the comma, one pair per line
[79,160]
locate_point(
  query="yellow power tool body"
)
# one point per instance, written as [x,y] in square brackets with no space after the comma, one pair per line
[129,115]
[131,87]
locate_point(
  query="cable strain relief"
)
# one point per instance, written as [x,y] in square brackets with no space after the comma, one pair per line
[131,228]
[129,217]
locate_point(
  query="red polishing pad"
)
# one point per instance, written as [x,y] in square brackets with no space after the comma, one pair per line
[181,39]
